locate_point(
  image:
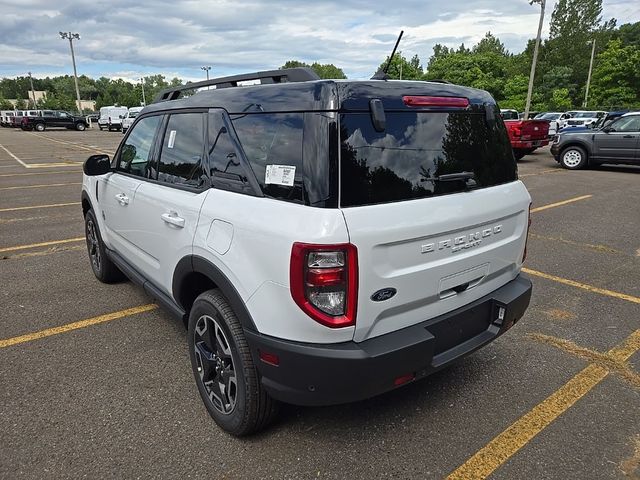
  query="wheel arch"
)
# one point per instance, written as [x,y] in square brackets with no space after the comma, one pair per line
[194,275]
[577,143]
[86,203]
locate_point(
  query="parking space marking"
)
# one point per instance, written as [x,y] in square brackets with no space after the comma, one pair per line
[610,362]
[543,172]
[486,460]
[73,144]
[589,246]
[584,286]
[29,337]
[33,207]
[38,165]
[21,187]
[43,244]
[13,156]
[559,204]
[30,174]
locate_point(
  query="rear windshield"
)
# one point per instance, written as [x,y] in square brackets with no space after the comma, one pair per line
[405,161]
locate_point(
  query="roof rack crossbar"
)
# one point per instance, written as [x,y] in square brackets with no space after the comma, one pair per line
[300,74]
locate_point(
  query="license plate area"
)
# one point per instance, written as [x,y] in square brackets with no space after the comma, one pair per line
[457,329]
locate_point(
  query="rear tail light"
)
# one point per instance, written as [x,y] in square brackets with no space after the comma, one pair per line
[324,282]
[524,255]
[424,101]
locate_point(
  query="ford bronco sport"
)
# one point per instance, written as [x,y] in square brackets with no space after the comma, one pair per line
[324,241]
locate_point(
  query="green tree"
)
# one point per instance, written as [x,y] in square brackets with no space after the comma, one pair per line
[21,104]
[616,77]
[402,68]
[560,100]
[327,70]
[4,103]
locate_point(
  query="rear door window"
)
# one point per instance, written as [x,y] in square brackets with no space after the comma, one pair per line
[182,154]
[406,160]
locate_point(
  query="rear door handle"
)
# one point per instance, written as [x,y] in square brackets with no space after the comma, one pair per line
[173,219]
[122,199]
[629,136]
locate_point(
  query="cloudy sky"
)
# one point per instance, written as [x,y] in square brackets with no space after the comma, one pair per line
[131,38]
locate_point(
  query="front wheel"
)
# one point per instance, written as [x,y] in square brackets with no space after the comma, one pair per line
[227,379]
[80,126]
[573,158]
[103,268]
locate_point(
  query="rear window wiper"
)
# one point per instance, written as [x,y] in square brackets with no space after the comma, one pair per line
[452,177]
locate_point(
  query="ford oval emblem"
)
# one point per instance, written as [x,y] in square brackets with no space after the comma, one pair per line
[383,294]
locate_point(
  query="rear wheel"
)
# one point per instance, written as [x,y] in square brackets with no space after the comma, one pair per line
[573,158]
[519,153]
[224,371]
[103,268]
[39,127]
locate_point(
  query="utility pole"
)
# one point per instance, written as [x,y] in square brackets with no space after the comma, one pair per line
[535,57]
[71,36]
[33,92]
[144,101]
[593,51]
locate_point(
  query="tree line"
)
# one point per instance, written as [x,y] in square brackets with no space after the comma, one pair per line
[560,80]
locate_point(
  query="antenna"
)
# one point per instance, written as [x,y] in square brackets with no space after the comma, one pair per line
[382,74]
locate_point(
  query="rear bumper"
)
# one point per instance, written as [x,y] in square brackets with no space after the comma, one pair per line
[529,143]
[326,374]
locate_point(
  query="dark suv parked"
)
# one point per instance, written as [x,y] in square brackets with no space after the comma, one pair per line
[53,118]
[618,142]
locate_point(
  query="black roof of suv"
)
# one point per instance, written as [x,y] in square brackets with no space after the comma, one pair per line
[349,143]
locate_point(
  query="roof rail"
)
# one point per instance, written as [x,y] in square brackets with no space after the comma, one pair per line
[300,74]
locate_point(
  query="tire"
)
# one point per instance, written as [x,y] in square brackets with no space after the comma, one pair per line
[103,268]
[529,151]
[80,127]
[100,127]
[243,407]
[573,158]
[39,127]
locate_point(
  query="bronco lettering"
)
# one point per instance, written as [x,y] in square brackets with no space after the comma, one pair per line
[462,242]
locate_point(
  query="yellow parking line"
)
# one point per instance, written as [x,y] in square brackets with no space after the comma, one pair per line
[559,204]
[21,187]
[584,286]
[43,244]
[15,209]
[543,172]
[73,144]
[38,173]
[484,462]
[29,337]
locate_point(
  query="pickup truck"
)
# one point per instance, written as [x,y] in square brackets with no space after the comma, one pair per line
[53,118]
[527,135]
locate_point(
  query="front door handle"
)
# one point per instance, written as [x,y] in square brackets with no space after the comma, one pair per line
[629,136]
[122,199]
[173,219]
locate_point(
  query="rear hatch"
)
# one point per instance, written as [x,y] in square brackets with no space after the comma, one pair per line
[534,130]
[440,240]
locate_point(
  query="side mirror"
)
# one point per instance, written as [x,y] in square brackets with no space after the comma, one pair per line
[97,165]
[121,116]
[608,129]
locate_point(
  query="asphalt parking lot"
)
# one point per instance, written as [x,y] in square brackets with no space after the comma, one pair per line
[558,396]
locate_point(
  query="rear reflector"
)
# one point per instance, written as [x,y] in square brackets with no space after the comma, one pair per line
[403,379]
[422,101]
[270,358]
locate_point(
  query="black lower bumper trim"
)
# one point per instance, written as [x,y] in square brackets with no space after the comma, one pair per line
[326,374]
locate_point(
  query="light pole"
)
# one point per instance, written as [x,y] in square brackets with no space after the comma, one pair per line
[593,51]
[206,68]
[70,36]
[144,101]
[535,57]
[33,92]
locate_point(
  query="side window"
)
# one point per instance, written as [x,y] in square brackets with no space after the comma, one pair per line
[136,150]
[273,146]
[224,158]
[181,157]
[63,114]
[627,124]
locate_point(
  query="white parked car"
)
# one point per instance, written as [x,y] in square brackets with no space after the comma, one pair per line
[111,117]
[6,116]
[129,117]
[583,118]
[557,120]
[324,241]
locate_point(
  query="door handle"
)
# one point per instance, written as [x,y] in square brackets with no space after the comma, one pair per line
[629,136]
[122,199]
[173,219]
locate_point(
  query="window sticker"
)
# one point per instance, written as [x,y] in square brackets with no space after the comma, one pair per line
[172,139]
[280,175]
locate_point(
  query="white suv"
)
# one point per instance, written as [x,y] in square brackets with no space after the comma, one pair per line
[324,241]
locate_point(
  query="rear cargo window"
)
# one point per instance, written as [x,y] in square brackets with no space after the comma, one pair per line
[405,161]
[273,146]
